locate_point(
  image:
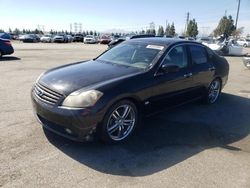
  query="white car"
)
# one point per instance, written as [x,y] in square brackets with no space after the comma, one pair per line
[244,42]
[46,38]
[229,47]
[90,39]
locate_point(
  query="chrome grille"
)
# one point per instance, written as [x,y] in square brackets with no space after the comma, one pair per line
[47,95]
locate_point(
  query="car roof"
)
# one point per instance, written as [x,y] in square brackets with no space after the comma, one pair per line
[163,41]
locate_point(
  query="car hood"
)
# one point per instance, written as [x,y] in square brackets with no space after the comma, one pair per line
[69,78]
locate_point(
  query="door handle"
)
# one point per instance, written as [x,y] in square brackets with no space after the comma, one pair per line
[188,75]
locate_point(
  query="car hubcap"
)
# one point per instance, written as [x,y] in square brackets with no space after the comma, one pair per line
[121,122]
[214,91]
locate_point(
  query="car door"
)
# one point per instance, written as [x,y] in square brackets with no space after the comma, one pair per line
[172,88]
[202,68]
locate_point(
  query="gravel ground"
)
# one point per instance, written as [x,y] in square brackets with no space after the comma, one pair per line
[191,146]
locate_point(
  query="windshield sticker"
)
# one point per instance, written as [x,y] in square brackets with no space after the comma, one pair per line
[155,47]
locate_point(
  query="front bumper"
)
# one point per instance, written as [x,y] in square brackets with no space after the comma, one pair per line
[74,124]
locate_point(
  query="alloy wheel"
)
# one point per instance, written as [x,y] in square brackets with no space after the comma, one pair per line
[121,122]
[214,91]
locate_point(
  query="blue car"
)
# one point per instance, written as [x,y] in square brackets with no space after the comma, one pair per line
[5,47]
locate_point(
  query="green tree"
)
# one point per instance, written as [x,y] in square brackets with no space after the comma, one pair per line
[142,32]
[153,32]
[1,31]
[192,29]
[172,30]
[167,31]
[148,31]
[17,31]
[160,31]
[238,32]
[225,26]
[37,31]
[91,32]
[10,31]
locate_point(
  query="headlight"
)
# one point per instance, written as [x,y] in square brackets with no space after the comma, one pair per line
[82,99]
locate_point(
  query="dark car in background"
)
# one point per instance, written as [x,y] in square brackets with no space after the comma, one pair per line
[5,47]
[124,38]
[110,94]
[5,36]
[78,38]
[70,38]
[31,38]
[105,39]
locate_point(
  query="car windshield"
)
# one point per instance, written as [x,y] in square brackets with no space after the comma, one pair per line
[138,55]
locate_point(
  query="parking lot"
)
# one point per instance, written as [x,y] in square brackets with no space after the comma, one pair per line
[191,146]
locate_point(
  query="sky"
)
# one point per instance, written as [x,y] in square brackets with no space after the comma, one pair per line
[123,15]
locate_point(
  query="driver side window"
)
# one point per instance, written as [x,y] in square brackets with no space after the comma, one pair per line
[177,56]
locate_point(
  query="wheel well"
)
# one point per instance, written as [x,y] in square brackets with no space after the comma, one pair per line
[133,100]
[219,78]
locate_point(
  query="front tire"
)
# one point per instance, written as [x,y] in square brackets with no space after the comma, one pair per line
[213,92]
[119,122]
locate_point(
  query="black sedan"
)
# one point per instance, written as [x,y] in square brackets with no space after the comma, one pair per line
[78,38]
[109,95]
[5,47]
[31,38]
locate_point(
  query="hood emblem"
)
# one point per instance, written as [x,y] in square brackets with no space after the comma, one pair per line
[40,93]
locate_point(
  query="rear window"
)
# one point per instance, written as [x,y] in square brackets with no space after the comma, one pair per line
[199,54]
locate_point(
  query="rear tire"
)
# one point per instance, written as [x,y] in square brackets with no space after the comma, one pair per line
[119,122]
[213,92]
[1,54]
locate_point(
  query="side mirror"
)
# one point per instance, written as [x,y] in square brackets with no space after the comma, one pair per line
[169,68]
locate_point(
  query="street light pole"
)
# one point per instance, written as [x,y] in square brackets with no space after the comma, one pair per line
[237,16]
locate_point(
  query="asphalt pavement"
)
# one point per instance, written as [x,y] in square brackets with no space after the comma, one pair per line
[191,146]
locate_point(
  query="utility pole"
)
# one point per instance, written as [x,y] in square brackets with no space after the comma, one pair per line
[187,20]
[238,10]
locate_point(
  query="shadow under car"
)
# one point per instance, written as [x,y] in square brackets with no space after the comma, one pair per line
[166,139]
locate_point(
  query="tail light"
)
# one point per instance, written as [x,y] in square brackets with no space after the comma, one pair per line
[7,43]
